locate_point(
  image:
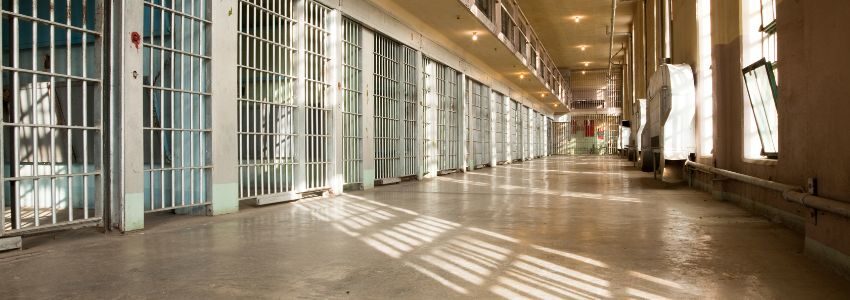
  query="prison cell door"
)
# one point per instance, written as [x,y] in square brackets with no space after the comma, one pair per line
[395,109]
[560,137]
[477,128]
[52,119]
[547,136]
[266,104]
[526,133]
[484,128]
[448,119]
[317,107]
[352,103]
[499,129]
[516,130]
[536,130]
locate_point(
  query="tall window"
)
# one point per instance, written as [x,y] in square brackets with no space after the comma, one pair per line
[759,55]
[705,97]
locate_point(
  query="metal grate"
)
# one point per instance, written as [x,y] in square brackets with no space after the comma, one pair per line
[352,103]
[266,98]
[51,130]
[317,107]
[177,104]
[499,128]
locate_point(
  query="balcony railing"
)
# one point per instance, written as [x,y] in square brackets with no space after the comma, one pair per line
[506,20]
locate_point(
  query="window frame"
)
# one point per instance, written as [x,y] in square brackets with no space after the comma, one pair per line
[763,63]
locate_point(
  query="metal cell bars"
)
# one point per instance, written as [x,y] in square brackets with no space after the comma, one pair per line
[515,122]
[538,134]
[177,149]
[587,133]
[352,101]
[448,97]
[561,138]
[266,103]
[526,132]
[387,103]
[317,107]
[547,137]
[499,128]
[479,122]
[410,131]
[51,130]
[440,83]
[532,134]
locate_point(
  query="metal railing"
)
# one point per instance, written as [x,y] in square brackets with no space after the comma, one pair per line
[511,23]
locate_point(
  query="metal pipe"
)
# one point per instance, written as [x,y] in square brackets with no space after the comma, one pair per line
[771,185]
[611,44]
[789,192]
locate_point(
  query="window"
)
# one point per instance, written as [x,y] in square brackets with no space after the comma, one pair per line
[761,88]
[759,54]
[768,30]
[705,97]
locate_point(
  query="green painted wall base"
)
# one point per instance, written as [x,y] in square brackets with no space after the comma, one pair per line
[134,212]
[225,199]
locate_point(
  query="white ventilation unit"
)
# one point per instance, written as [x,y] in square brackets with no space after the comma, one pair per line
[670,117]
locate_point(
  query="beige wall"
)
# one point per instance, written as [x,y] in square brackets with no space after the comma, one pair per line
[813,91]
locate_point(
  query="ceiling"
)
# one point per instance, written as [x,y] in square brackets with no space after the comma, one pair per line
[554,22]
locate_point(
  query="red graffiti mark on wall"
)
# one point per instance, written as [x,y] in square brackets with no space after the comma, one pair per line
[136,39]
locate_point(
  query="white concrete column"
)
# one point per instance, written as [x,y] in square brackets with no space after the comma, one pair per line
[336,176]
[464,143]
[129,112]
[225,54]
[507,119]
[421,164]
[430,111]
[300,180]
[492,98]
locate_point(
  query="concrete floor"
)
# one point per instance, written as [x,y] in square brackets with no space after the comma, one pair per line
[580,227]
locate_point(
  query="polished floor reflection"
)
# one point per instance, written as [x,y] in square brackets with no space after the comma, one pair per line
[561,227]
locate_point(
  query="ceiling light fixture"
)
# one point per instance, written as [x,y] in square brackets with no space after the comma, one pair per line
[475,36]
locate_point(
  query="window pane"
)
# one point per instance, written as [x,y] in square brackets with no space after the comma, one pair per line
[768,12]
[760,87]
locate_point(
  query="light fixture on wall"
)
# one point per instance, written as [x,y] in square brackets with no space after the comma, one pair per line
[583,72]
[586,64]
[475,36]
[583,47]
[521,76]
[577,18]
